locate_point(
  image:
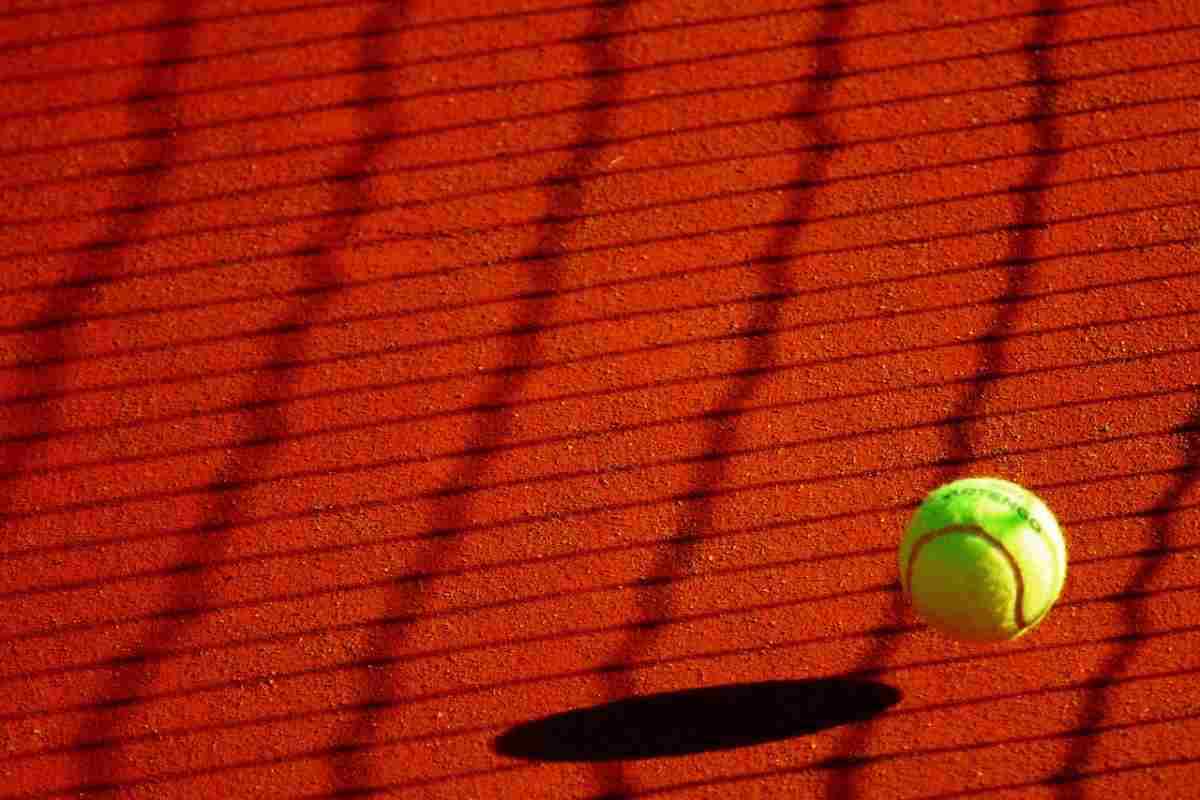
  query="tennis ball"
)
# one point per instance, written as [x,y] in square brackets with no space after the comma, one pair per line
[982,559]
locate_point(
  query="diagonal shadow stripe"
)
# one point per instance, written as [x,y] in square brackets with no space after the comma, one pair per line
[96,267]
[535,116]
[350,771]
[779,15]
[28,363]
[99,769]
[383,421]
[387,502]
[919,466]
[550,637]
[749,334]
[647,545]
[773,270]
[1030,202]
[832,559]
[659,166]
[891,138]
[196,21]
[1099,702]
[333,38]
[21,399]
[1149,767]
[729,781]
[835,763]
[501,16]
[308,41]
[458,163]
[266,116]
[61,348]
[993,362]
[99,265]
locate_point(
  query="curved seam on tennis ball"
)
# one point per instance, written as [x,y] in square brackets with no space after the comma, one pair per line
[1018,601]
[1020,497]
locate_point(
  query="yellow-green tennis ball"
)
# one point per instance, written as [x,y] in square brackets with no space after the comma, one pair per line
[982,559]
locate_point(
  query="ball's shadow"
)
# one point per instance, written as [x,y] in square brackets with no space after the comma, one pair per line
[697,720]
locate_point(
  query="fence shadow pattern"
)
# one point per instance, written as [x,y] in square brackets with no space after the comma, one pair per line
[777,232]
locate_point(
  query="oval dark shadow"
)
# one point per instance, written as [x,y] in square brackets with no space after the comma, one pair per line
[697,720]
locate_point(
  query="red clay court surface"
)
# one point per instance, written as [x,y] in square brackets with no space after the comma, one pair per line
[380,380]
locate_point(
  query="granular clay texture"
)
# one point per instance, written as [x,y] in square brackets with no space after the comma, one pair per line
[525,398]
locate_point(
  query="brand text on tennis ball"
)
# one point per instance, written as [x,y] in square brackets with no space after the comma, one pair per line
[982,559]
